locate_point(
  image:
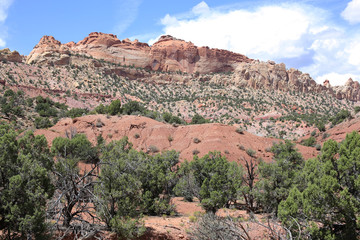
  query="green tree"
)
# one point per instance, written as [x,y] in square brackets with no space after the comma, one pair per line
[132,183]
[114,107]
[340,117]
[216,181]
[76,112]
[132,107]
[101,109]
[118,188]
[198,119]
[25,185]
[331,192]
[277,178]
[79,147]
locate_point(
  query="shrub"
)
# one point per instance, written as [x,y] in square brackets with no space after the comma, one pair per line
[210,226]
[240,130]
[251,152]
[310,142]
[114,107]
[153,149]
[196,140]
[357,109]
[198,119]
[99,123]
[42,122]
[195,152]
[76,112]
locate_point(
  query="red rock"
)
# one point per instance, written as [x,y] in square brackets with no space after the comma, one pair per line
[213,136]
[11,56]
[167,54]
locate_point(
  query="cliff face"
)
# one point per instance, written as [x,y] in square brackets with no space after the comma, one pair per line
[271,76]
[11,56]
[167,54]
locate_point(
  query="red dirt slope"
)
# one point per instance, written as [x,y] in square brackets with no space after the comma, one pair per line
[146,134]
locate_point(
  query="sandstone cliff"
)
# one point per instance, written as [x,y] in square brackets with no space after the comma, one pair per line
[167,54]
[11,56]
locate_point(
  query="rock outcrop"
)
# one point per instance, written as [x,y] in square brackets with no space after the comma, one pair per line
[11,56]
[272,76]
[167,54]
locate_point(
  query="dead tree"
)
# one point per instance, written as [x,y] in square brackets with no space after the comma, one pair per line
[72,209]
[249,179]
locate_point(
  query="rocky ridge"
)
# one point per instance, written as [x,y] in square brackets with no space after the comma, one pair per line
[169,54]
[11,56]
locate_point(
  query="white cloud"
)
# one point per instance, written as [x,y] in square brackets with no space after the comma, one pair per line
[126,15]
[201,9]
[354,53]
[352,12]
[4,6]
[336,79]
[302,36]
[268,32]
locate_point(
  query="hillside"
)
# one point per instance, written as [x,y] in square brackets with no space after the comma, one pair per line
[81,100]
[252,96]
[151,136]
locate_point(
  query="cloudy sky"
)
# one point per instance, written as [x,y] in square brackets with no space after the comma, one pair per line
[319,37]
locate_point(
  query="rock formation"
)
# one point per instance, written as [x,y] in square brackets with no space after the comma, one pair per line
[11,56]
[167,54]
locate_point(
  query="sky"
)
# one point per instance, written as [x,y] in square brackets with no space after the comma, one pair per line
[315,36]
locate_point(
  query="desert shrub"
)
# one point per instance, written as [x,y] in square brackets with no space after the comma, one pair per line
[196,140]
[114,107]
[321,126]
[153,149]
[198,119]
[251,152]
[310,142]
[99,123]
[101,109]
[45,107]
[195,152]
[132,107]
[340,117]
[213,227]
[42,122]
[357,109]
[9,93]
[79,147]
[76,112]
[240,130]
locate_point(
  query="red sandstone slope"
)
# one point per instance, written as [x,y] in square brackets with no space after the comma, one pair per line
[163,136]
[339,132]
[167,54]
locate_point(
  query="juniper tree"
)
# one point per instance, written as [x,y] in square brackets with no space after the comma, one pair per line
[330,194]
[25,186]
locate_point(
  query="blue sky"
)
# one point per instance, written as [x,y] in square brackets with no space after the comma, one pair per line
[319,37]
